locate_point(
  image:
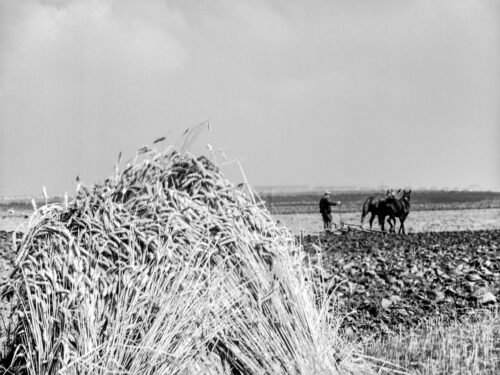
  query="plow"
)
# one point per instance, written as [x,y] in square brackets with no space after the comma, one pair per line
[344,226]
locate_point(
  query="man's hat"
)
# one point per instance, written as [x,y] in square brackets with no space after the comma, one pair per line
[327,192]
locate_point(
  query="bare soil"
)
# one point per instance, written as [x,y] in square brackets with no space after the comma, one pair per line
[386,283]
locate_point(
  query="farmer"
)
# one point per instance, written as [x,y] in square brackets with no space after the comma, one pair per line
[325,208]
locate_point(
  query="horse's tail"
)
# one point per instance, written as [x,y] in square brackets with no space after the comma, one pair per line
[366,208]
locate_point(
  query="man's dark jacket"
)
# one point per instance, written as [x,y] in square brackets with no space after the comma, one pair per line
[325,205]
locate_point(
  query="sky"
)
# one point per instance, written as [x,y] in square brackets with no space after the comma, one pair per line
[315,93]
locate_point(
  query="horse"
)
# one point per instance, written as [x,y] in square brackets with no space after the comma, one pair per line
[372,205]
[396,207]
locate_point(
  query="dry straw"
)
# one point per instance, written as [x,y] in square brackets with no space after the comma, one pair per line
[166,268]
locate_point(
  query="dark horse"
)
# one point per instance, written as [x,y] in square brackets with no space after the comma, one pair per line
[373,204]
[395,207]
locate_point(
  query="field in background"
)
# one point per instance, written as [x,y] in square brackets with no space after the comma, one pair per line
[25,204]
[417,221]
[352,201]
[14,211]
[461,210]
[307,201]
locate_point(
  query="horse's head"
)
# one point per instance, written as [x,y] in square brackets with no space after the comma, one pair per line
[406,194]
[392,193]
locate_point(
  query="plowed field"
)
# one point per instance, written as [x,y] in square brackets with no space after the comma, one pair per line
[387,282]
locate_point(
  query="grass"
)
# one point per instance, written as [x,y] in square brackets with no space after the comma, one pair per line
[468,347]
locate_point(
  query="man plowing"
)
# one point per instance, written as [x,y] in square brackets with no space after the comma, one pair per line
[325,208]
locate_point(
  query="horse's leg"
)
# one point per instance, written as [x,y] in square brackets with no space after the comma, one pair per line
[381,220]
[391,222]
[402,224]
[365,209]
[371,220]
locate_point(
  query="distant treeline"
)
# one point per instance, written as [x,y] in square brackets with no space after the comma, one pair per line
[307,202]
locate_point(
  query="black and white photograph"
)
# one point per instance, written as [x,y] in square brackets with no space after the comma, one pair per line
[249,187]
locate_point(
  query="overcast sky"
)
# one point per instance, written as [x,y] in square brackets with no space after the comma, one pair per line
[363,93]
